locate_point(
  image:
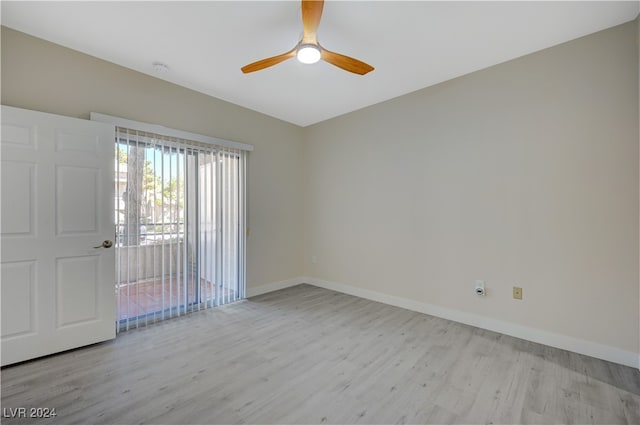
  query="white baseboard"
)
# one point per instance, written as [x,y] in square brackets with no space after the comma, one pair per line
[275,286]
[564,342]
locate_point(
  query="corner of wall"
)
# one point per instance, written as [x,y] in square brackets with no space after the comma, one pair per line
[254,291]
[638,46]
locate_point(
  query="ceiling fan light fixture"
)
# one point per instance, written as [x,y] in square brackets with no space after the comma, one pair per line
[308,53]
[308,50]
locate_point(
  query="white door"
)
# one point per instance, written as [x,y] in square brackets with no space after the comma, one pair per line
[57,279]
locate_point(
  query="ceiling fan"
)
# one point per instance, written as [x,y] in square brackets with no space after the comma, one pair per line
[308,50]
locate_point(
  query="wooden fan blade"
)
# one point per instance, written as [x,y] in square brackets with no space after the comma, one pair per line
[311,14]
[345,62]
[266,63]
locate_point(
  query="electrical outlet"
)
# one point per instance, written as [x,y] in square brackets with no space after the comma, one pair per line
[314,259]
[517,293]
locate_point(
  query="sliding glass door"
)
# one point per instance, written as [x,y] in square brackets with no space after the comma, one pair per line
[179,226]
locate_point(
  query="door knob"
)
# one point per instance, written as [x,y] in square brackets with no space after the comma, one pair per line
[105,244]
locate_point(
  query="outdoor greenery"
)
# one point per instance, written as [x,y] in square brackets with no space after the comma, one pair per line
[148,199]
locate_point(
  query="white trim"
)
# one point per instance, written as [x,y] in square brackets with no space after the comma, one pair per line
[588,348]
[165,131]
[275,286]
[564,342]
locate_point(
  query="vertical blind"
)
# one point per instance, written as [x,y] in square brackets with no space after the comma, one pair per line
[180,226]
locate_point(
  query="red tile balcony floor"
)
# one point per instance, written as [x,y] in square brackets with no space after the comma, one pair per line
[139,299]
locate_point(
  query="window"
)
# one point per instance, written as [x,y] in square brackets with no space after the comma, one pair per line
[180,212]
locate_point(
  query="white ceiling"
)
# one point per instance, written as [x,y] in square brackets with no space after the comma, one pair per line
[411,44]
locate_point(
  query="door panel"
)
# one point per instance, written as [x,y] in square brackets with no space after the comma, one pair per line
[77,283]
[57,206]
[18,181]
[74,215]
[18,298]
[18,135]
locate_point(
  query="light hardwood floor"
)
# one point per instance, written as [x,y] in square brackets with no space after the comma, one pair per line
[309,355]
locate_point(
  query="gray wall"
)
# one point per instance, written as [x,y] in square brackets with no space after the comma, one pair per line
[46,77]
[523,174]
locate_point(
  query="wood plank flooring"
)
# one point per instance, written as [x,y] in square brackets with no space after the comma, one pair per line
[308,355]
